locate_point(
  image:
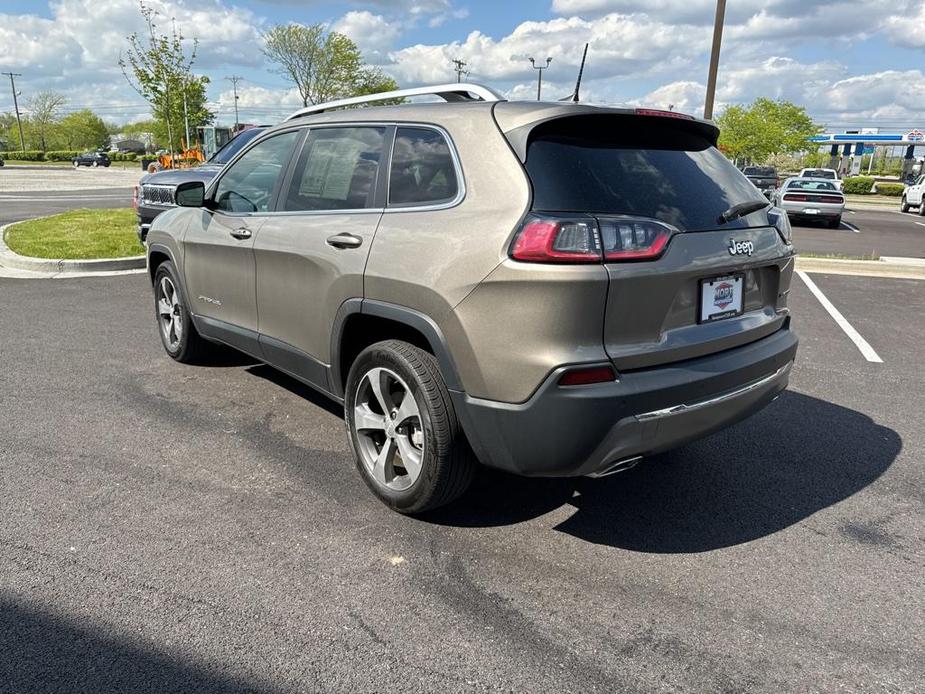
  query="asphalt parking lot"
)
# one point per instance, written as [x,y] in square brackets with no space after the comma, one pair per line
[176,528]
[865,233]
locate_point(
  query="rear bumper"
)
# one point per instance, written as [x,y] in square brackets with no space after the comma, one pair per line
[823,210]
[562,432]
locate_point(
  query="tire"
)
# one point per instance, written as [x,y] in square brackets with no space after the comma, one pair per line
[424,430]
[95,164]
[835,223]
[904,206]
[180,339]
[922,207]
[76,163]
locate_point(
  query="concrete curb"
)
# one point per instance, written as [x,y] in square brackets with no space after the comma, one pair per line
[49,265]
[897,268]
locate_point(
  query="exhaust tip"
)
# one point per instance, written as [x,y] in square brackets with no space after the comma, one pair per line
[615,467]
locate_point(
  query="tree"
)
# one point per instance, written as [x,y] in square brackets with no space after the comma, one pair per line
[764,128]
[324,65]
[43,113]
[83,130]
[157,66]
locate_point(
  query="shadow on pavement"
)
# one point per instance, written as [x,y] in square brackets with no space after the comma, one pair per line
[797,456]
[270,374]
[40,652]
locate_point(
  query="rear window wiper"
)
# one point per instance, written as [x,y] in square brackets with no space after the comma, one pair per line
[742,209]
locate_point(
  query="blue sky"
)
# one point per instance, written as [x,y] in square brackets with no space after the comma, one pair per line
[850,62]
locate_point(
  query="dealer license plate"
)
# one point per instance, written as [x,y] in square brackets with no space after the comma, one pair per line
[721,297]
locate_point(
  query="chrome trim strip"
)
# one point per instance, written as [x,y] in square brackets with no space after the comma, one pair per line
[677,409]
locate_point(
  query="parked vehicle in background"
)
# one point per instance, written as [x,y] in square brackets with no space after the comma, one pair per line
[155,192]
[765,178]
[550,289]
[827,174]
[91,159]
[811,198]
[1,161]
[914,196]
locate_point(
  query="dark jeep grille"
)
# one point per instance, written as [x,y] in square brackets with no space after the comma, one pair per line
[157,195]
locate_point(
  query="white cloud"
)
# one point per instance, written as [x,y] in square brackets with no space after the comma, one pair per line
[371,32]
[685,97]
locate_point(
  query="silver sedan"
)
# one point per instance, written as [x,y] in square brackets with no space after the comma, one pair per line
[811,198]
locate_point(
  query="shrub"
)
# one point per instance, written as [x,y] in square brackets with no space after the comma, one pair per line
[894,190]
[859,185]
[61,155]
[28,155]
[123,156]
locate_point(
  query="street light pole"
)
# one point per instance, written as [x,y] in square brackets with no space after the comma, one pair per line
[234,79]
[714,58]
[539,81]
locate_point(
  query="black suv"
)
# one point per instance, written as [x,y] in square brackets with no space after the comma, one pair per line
[764,177]
[91,159]
[155,192]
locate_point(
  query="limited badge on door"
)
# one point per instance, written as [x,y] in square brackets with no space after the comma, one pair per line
[721,297]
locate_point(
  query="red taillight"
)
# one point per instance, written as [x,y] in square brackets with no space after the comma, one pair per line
[135,191]
[662,114]
[546,240]
[587,375]
[590,240]
[795,197]
[831,198]
[629,238]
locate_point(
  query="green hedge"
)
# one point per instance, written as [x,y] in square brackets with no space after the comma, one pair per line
[28,155]
[123,156]
[859,185]
[61,155]
[894,190]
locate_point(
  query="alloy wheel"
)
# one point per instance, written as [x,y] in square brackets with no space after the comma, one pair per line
[169,313]
[389,432]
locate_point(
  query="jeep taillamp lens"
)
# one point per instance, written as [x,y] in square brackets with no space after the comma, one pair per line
[782,223]
[544,239]
[630,238]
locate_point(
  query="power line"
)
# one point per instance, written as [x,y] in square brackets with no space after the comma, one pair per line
[13,75]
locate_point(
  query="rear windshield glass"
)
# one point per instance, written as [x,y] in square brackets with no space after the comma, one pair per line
[818,173]
[636,166]
[759,171]
[803,184]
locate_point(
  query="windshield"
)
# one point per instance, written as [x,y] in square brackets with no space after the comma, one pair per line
[805,184]
[635,166]
[818,173]
[232,147]
[760,171]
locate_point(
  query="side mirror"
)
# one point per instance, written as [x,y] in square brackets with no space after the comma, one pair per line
[190,194]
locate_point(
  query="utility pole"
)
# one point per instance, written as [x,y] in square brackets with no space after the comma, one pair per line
[539,81]
[714,58]
[22,140]
[234,79]
[460,69]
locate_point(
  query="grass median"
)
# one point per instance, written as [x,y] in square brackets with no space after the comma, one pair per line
[77,235]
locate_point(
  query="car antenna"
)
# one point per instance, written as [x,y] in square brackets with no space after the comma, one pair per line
[581,68]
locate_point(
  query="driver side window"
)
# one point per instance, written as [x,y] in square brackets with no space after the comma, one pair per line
[248,185]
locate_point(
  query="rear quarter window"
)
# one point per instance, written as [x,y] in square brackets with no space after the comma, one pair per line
[633,165]
[422,170]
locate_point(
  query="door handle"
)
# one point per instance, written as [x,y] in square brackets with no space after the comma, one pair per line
[241,233]
[345,241]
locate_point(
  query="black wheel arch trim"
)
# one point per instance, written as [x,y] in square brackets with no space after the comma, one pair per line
[400,314]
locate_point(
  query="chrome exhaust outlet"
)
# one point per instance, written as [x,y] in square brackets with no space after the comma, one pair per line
[618,466]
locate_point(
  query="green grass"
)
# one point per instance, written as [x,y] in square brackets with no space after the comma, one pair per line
[872,199]
[77,235]
[69,165]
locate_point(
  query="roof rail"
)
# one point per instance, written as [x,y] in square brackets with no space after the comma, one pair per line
[448,92]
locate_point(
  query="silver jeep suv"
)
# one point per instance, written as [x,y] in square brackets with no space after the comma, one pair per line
[551,289]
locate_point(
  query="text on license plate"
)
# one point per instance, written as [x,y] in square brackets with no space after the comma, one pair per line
[720,297]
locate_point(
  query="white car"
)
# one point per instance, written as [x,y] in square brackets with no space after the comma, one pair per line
[828,174]
[811,198]
[914,196]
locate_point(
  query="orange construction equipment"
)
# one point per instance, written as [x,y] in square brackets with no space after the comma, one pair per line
[188,158]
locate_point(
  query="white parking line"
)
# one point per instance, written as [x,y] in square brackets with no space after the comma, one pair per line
[854,335]
[851,226]
[921,224]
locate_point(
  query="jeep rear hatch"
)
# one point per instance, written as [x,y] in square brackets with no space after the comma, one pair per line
[629,189]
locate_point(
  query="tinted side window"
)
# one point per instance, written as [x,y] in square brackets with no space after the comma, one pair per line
[422,169]
[248,185]
[337,170]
